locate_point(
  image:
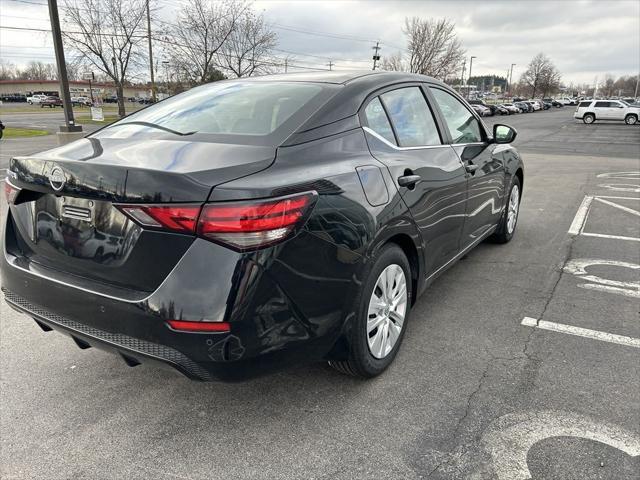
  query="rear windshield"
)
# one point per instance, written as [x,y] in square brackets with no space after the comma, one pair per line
[238,109]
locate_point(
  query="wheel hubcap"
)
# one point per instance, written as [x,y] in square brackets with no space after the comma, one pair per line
[387,309]
[514,204]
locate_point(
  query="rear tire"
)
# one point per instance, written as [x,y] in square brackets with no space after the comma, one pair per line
[509,221]
[375,334]
[588,118]
[631,119]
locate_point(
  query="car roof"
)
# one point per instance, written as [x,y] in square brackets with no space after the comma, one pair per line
[340,77]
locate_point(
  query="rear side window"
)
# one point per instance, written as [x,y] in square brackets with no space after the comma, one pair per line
[603,104]
[378,120]
[411,117]
[463,126]
[584,104]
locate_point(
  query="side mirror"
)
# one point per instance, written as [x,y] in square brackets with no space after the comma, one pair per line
[504,134]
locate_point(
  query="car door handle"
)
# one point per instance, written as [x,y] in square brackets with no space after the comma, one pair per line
[408,180]
[471,168]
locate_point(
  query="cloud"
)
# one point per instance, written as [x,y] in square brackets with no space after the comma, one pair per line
[584,38]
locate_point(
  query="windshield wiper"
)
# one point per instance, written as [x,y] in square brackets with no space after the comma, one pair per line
[154,125]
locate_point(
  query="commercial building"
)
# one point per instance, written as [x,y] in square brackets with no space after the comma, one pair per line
[76,88]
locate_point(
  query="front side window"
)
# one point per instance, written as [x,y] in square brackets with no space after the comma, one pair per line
[603,104]
[411,117]
[463,126]
[378,120]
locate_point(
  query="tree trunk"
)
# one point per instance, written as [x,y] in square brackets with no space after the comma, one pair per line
[120,94]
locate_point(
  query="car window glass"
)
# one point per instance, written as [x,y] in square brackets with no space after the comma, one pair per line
[411,117]
[584,104]
[603,104]
[378,120]
[238,108]
[463,126]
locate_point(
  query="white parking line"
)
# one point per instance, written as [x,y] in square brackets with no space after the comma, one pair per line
[581,216]
[618,206]
[614,237]
[581,332]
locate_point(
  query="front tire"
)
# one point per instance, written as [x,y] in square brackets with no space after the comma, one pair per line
[631,119]
[589,118]
[509,221]
[382,305]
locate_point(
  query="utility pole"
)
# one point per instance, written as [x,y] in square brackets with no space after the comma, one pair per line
[153,83]
[376,57]
[470,66]
[464,67]
[511,77]
[286,64]
[70,124]
[635,95]
[330,65]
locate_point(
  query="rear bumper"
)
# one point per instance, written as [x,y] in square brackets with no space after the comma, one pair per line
[270,298]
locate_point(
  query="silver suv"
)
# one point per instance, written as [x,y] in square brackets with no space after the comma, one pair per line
[591,110]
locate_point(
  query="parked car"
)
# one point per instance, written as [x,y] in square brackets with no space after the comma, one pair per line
[81,101]
[512,108]
[630,101]
[37,98]
[546,105]
[535,104]
[492,108]
[554,103]
[110,99]
[481,110]
[500,110]
[51,102]
[528,108]
[596,110]
[145,101]
[1,129]
[265,222]
[567,100]
[13,98]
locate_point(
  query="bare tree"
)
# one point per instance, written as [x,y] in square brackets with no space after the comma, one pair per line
[107,34]
[7,70]
[394,63]
[433,46]
[36,70]
[202,29]
[541,75]
[248,48]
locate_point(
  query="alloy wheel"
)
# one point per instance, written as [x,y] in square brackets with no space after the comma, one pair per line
[514,205]
[387,309]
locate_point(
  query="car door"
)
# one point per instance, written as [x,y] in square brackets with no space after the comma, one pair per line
[402,133]
[603,110]
[617,111]
[483,162]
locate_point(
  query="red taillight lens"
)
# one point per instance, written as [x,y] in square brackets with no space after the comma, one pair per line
[252,224]
[179,218]
[241,225]
[203,326]
[10,191]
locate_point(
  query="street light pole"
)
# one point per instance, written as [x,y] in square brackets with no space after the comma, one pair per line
[470,66]
[511,77]
[70,124]
[153,83]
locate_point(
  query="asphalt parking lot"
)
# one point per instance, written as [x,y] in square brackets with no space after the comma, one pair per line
[522,361]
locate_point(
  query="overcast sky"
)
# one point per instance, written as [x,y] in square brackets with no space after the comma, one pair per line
[584,38]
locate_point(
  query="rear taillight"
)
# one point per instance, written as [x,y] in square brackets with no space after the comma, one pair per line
[10,191]
[246,225]
[177,218]
[241,225]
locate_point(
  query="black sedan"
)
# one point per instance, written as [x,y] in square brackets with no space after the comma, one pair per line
[249,225]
